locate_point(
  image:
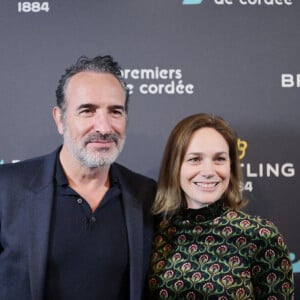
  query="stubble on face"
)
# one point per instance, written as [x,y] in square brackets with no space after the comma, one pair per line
[97,157]
[93,123]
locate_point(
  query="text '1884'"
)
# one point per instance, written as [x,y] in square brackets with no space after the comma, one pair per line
[33,7]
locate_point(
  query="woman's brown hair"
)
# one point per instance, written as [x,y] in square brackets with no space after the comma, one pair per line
[169,197]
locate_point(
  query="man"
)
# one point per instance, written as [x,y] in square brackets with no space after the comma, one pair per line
[74,224]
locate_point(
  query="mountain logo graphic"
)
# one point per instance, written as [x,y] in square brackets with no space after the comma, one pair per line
[191,2]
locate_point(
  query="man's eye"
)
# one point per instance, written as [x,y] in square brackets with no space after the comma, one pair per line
[85,112]
[117,112]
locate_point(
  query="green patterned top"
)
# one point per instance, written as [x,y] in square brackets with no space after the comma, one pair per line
[219,253]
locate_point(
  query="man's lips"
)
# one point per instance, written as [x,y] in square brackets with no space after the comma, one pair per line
[100,144]
[98,138]
[101,141]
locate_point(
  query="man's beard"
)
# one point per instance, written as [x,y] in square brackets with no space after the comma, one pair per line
[95,158]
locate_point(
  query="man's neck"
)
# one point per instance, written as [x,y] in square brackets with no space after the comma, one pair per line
[80,174]
[90,183]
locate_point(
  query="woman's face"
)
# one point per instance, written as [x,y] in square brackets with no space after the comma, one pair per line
[205,170]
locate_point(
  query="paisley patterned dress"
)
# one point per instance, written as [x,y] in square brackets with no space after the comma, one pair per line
[219,253]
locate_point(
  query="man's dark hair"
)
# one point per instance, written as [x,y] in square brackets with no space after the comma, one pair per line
[99,64]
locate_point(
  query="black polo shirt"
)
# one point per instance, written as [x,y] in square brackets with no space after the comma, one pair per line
[88,252]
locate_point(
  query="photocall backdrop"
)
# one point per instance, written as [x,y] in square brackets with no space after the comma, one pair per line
[235,58]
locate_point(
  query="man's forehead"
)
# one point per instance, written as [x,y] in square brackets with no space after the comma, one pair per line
[91,76]
[95,85]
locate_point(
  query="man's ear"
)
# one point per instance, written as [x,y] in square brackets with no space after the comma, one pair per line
[57,116]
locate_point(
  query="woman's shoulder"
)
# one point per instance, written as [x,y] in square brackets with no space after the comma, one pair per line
[254,225]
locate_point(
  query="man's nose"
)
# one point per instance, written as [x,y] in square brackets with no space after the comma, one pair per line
[102,122]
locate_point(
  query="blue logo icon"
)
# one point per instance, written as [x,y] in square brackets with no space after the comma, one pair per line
[191,2]
[296,264]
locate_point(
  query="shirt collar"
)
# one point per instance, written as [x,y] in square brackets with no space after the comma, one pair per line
[62,180]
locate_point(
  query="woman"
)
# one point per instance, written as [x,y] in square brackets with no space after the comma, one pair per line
[205,247]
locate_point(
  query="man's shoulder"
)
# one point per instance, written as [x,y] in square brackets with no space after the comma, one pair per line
[27,166]
[131,175]
[139,186]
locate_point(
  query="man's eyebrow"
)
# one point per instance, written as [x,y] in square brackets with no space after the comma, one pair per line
[93,106]
[86,105]
[122,107]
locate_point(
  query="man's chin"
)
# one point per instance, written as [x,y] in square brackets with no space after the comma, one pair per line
[100,160]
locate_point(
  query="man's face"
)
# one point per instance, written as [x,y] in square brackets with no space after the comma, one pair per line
[94,121]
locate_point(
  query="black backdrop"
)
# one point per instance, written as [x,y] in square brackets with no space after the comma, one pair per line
[236,58]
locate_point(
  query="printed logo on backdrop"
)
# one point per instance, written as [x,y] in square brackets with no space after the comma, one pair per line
[191,2]
[262,169]
[2,161]
[268,170]
[33,7]
[289,80]
[295,263]
[242,2]
[157,81]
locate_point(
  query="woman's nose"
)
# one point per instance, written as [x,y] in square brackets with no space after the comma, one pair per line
[207,169]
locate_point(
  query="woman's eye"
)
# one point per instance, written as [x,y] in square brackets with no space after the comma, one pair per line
[221,159]
[194,159]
